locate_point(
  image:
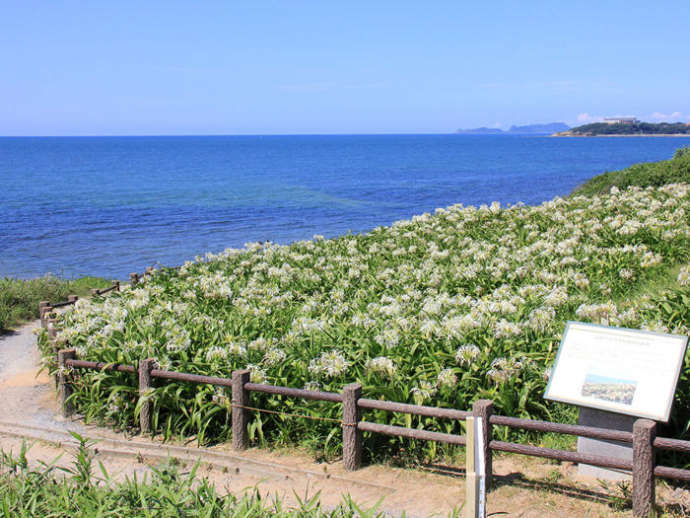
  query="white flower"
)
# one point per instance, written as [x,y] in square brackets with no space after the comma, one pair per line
[381,365]
[389,338]
[330,364]
[505,329]
[502,369]
[541,318]
[466,354]
[274,357]
[259,344]
[626,273]
[236,348]
[446,379]
[650,259]
[424,392]
[546,374]
[256,374]
[216,353]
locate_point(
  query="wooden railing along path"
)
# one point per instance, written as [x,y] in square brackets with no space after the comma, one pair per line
[45,308]
[643,438]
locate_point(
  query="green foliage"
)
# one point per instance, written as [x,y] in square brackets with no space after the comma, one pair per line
[647,174]
[620,494]
[638,128]
[682,152]
[27,493]
[19,298]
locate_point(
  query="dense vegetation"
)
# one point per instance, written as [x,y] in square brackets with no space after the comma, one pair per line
[442,309]
[637,128]
[19,298]
[645,174]
[76,492]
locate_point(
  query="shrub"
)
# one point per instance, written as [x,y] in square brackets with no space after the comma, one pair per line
[647,174]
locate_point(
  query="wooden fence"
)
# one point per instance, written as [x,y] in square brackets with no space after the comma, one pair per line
[643,438]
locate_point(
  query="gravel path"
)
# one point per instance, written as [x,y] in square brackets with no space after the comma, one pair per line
[26,395]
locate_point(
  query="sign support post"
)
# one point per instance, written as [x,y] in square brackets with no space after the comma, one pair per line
[475,470]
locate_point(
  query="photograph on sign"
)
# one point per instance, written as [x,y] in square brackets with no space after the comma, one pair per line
[609,389]
[621,370]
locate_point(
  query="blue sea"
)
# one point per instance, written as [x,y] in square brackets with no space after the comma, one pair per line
[108,206]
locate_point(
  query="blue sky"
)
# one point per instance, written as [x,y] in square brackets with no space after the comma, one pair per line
[225,67]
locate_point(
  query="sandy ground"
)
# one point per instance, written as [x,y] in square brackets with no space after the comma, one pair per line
[524,486]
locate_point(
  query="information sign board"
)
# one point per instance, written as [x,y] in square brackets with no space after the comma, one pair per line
[616,369]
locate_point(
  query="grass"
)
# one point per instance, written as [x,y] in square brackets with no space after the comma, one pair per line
[19,298]
[646,174]
[75,491]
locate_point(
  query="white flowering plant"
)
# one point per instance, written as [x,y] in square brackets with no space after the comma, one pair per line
[441,309]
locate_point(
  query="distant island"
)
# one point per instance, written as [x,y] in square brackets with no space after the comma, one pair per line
[626,127]
[530,129]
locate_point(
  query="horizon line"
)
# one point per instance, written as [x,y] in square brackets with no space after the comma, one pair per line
[136,135]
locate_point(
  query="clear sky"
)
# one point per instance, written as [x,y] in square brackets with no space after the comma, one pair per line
[228,67]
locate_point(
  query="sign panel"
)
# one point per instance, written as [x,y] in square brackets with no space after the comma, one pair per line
[616,369]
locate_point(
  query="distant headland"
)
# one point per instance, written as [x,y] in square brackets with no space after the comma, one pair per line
[530,129]
[627,127]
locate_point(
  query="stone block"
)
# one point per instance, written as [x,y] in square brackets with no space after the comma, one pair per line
[615,449]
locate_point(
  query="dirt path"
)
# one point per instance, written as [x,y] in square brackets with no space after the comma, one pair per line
[524,486]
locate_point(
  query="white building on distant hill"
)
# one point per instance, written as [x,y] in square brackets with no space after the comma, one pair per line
[620,120]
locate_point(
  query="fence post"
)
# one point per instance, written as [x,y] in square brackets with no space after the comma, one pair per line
[94,292]
[133,279]
[43,310]
[352,437]
[145,368]
[484,408]
[72,298]
[644,433]
[240,416]
[117,285]
[52,330]
[64,386]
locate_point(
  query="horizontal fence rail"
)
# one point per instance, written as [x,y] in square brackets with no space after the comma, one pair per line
[294,392]
[100,366]
[103,291]
[674,473]
[406,408]
[643,437]
[665,443]
[562,455]
[568,429]
[191,378]
[411,433]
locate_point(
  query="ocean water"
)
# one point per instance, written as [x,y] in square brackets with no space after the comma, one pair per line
[111,205]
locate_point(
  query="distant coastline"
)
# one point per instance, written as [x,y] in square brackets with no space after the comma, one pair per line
[530,129]
[686,135]
[627,127]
